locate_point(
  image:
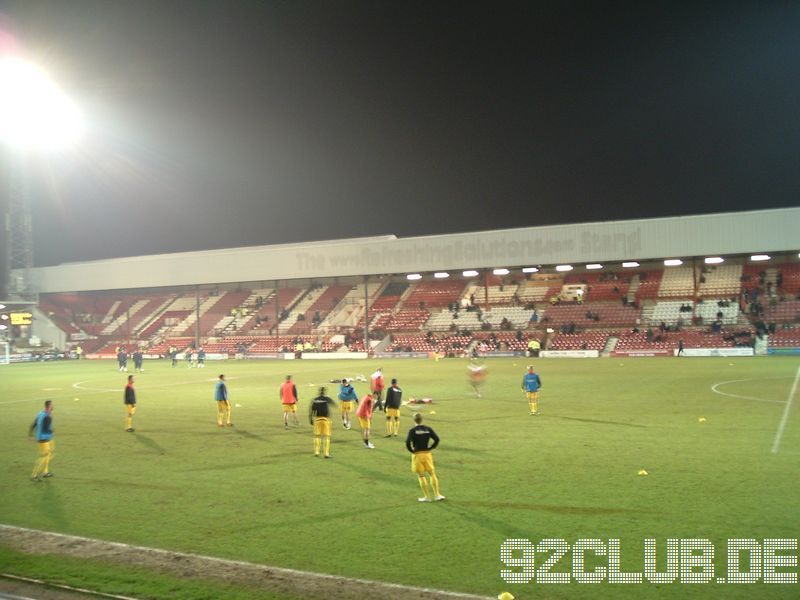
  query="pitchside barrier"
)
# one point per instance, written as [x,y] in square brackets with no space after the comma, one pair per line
[569,353]
[783,351]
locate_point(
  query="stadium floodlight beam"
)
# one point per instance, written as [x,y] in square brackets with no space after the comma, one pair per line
[673,262]
[441,275]
[714,260]
[594,266]
[563,268]
[470,273]
[500,272]
[34,113]
[630,264]
[413,276]
[760,257]
[35,117]
[530,270]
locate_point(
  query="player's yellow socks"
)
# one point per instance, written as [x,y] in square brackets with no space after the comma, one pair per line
[228,415]
[423,483]
[128,422]
[435,484]
[396,426]
[317,442]
[327,445]
[388,425]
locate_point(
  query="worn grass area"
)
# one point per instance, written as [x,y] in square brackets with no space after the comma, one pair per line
[254,492]
[122,580]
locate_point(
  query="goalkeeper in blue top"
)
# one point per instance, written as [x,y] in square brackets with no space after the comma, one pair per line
[531,384]
[349,399]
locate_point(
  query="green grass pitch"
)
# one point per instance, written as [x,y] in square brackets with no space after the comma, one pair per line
[254,492]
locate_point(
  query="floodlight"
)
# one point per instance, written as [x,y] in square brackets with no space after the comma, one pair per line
[760,257]
[470,274]
[530,270]
[594,266]
[34,112]
[630,264]
[714,260]
[441,275]
[562,268]
[413,276]
[673,262]
[500,272]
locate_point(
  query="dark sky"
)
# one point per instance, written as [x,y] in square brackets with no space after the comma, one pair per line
[227,123]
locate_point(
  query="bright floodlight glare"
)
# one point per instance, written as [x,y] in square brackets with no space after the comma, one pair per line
[760,257]
[530,270]
[673,262]
[500,272]
[562,268]
[441,275]
[413,276]
[34,113]
[594,266]
[470,274]
[714,260]
[630,264]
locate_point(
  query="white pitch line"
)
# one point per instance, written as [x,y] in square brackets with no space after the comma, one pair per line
[241,563]
[714,388]
[785,417]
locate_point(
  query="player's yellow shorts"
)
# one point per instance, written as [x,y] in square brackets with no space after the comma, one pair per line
[47,448]
[322,426]
[393,412]
[223,405]
[347,405]
[131,409]
[290,408]
[421,463]
[365,423]
[532,396]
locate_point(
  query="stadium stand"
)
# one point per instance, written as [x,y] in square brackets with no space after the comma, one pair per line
[586,340]
[785,338]
[608,314]
[677,281]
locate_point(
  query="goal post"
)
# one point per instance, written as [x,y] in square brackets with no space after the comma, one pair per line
[5,352]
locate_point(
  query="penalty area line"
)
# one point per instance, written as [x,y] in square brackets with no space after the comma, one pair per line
[779,434]
[418,592]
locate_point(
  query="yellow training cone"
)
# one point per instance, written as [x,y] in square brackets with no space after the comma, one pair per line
[702,419]
[433,412]
[506,596]
[643,472]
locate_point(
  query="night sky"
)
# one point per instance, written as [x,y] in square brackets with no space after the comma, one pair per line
[215,124]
